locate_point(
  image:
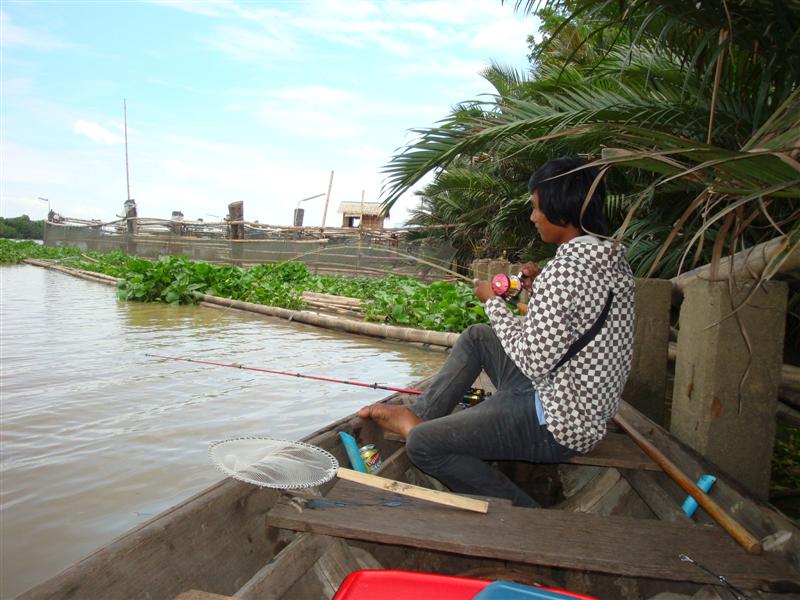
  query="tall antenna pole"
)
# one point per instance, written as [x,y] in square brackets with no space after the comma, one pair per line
[127,175]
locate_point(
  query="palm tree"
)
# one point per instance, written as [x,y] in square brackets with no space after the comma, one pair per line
[708,123]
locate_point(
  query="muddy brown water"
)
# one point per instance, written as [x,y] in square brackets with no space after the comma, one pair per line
[96,438]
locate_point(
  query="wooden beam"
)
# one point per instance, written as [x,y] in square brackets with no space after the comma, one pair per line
[616,545]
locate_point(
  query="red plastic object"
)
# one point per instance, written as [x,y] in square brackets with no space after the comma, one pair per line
[405,585]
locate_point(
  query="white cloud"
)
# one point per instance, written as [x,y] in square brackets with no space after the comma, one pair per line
[448,67]
[244,44]
[208,8]
[12,35]
[313,94]
[97,133]
[503,36]
[309,123]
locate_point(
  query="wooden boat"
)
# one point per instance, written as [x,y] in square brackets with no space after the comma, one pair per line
[613,529]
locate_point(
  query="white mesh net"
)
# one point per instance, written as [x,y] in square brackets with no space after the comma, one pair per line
[267,462]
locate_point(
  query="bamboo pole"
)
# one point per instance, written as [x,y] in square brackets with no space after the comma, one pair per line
[714,510]
[406,334]
[747,264]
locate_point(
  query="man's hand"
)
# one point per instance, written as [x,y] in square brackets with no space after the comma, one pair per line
[530,270]
[482,289]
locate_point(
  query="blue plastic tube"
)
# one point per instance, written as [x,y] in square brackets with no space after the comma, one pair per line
[704,483]
[351,447]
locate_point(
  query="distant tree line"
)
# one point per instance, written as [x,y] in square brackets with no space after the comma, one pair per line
[21,228]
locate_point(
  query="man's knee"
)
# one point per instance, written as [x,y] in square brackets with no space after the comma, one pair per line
[478,331]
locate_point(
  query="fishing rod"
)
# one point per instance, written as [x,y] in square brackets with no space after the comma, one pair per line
[374,386]
[474,395]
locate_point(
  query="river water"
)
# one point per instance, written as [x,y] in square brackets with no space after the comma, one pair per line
[97,438]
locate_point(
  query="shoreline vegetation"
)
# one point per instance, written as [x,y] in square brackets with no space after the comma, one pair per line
[392,300]
[21,228]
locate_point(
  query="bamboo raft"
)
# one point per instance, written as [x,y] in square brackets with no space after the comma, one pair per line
[613,528]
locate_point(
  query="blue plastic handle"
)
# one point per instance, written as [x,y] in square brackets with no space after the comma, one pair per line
[704,483]
[351,447]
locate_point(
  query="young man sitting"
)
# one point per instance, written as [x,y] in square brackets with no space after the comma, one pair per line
[545,408]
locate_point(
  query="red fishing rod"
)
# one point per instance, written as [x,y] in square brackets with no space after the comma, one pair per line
[474,395]
[374,386]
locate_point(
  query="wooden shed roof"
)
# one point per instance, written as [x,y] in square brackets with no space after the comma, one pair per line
[353,209]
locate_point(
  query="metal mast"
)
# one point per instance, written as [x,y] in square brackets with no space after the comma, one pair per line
[127,175]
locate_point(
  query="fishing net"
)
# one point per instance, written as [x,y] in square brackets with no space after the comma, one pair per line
[280,464]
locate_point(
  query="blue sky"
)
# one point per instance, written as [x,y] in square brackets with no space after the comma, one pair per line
[227,101]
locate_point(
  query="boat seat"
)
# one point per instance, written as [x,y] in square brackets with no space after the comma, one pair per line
[615,450]
[624,546]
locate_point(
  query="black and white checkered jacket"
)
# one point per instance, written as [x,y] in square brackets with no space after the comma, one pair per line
[568,296]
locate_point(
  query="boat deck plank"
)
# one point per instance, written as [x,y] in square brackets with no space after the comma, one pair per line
[617,545]
[619,451]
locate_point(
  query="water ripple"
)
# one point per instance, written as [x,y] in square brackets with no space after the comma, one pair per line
[96,437]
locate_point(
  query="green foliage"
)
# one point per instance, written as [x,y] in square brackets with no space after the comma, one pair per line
[437,306]
[21,228]
[786,461]
[13,252]
[784,489]
[176,280]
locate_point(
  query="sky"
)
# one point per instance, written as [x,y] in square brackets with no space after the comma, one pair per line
[231,100]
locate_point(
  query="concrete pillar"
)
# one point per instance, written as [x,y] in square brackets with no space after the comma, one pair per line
[236,213]
[727,375]
[130,216]
[479,268]
[646,386]
[497,265]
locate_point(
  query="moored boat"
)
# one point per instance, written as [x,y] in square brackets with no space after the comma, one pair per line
[613,528]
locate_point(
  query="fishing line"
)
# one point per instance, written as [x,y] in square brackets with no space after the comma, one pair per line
[374,386]
[473,396]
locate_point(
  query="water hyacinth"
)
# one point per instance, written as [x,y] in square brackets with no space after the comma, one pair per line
[395,300]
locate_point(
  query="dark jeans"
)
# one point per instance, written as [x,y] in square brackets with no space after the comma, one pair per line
[454,448]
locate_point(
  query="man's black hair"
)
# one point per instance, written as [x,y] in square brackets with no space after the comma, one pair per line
[561,198]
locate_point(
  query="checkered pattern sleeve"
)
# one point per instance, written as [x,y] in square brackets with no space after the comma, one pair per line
[567,298]
[538,342]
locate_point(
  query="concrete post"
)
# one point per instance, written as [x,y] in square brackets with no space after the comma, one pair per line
[478,268]
[495,266]
[236,231]
[236,213]
[646,386]
[727,375]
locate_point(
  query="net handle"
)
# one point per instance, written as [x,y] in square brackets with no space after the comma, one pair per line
[406,489]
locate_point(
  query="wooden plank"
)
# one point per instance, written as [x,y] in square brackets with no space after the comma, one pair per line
[190,546]
[200,595]
[414,491]
[616,545]
[276,577]
[396,465]
[759,518]
[616,450]
[649,488]
[327,574]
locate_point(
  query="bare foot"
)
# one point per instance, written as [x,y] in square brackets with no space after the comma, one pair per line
[397,419]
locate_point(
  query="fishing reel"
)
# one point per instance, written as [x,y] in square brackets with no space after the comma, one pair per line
[474,396]
[507,287]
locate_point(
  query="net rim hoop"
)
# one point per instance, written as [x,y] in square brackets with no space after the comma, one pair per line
[232,475]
